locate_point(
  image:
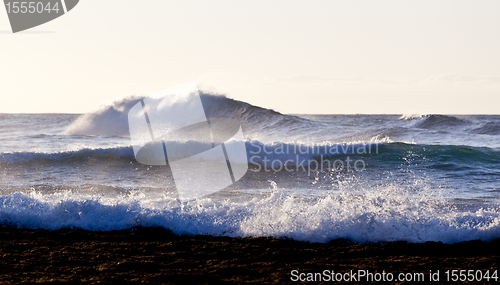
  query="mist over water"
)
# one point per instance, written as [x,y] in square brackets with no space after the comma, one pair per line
[419,177]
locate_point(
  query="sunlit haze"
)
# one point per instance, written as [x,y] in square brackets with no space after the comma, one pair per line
[328,57]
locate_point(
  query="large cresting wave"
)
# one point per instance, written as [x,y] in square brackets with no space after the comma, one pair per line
[385,215]
[112,119]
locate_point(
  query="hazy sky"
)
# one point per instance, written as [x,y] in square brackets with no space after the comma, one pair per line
[401,57]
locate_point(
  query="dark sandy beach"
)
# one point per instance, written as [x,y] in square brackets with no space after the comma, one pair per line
[156,256]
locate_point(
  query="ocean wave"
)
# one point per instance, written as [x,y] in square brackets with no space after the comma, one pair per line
[281,153]
[70,155]
[109,119]
[489,128]
[386,214]
[112,119]
[257,152]
[439,122]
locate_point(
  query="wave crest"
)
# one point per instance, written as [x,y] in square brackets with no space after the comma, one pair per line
[490,128]
[112,119]
[431,121]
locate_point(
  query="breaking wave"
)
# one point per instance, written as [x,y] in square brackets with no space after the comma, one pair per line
[434,121]
[385,215]
[112,119]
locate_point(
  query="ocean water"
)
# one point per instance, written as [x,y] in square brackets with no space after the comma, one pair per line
[315,178]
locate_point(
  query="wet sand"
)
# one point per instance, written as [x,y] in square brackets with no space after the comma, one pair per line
[156,256]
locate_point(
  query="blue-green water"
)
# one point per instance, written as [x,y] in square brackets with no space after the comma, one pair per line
[311,177]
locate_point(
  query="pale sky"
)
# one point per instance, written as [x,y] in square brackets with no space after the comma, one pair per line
[329,57]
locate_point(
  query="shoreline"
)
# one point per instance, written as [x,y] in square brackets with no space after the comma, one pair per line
[156,255]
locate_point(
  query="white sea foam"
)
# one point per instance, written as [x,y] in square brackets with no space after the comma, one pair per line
[100,168]
[386,215]
[407,117]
